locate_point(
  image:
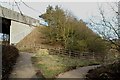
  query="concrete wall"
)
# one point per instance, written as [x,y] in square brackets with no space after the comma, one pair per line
[21,25]
[18,31]
[15,16]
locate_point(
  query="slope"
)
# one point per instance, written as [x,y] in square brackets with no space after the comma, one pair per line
[34,40]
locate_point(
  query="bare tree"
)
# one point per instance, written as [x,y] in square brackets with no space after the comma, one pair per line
[108,28]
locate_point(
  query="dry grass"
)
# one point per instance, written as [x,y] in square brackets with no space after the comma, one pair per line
[52,65]
[112,56]
[34,40]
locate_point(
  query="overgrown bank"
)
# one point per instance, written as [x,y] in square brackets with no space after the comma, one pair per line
[107,72]
[73,34]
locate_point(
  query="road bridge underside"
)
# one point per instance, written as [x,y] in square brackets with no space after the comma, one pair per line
[5,29]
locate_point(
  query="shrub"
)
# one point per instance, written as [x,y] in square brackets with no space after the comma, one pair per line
[71,33]
[109,72]
[9,56]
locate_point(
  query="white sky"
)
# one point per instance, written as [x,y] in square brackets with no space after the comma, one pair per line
[81,9]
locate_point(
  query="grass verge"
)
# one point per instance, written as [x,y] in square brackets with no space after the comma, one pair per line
[52,65]
[26,49]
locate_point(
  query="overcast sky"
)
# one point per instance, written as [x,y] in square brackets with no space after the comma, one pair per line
[81,10]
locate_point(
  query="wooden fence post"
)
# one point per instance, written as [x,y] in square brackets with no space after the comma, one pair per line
[93,56]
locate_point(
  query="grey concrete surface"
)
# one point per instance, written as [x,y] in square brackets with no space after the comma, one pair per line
[77,73]
[18,17]
[23,67]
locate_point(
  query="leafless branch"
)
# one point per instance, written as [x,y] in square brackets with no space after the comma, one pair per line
[114,8]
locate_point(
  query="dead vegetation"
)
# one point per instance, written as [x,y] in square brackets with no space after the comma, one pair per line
[34,41]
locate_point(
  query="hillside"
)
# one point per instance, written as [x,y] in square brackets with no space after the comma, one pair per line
[34,39]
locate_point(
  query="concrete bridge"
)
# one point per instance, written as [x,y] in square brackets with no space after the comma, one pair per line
[15,24]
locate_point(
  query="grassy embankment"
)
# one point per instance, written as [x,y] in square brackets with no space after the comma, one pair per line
[33,41]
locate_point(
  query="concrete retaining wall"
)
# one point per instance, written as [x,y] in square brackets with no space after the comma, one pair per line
[18,31]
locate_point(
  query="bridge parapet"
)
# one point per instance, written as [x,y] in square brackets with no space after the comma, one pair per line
[18,17]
